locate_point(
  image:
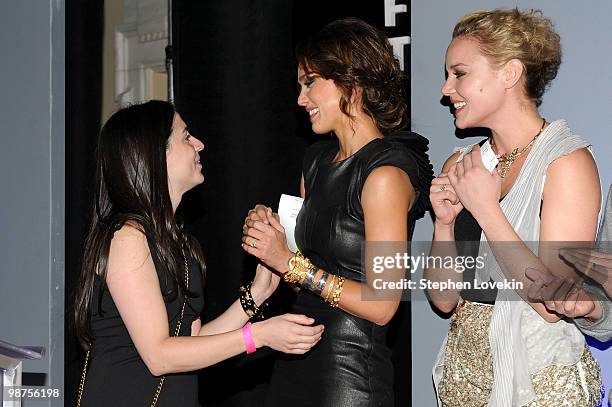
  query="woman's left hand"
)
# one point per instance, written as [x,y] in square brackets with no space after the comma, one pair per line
[478,189]
[268,243]
[265,283]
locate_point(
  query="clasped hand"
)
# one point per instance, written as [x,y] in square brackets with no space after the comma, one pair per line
[468,184]
[264,237]
[478,189]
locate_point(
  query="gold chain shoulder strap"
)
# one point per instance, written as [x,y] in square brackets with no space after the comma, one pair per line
[163,378]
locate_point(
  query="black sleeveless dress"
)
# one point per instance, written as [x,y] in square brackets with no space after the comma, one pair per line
[467,238]
[117,375]
[351,365]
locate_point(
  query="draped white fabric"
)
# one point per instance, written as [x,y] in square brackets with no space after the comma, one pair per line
[522,342]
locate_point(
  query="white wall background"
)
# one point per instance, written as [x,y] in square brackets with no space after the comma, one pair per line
[580,94]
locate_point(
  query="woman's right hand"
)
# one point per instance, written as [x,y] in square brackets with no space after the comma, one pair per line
[594,264]
[288,333]
[444,200]
[562,295]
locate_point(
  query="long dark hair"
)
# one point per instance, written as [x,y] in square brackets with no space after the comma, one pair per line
[131,186]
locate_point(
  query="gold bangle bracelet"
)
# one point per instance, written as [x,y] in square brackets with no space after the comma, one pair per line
[337,293]
[299,266]
[330,287]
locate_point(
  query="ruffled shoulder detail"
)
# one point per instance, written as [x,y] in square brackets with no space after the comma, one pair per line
[416,147]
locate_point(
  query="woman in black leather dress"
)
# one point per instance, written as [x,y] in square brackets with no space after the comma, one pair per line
[141,295]
[367,184]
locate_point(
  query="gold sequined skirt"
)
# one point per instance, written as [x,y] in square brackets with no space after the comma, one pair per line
[467,377]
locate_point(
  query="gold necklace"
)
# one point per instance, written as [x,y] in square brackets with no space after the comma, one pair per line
[507,159]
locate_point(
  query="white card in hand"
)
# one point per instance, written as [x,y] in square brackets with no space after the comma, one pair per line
[489,159]
[288,208]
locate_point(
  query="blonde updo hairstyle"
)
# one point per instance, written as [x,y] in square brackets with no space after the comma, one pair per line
[528,36]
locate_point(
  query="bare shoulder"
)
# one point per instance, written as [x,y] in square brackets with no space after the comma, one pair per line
[580,159]
[129,251]
[388,175]
[130,229]
[387,181]
[574,171]
[571,198]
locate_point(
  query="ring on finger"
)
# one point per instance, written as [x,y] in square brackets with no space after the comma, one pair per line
[443,187]
[253,244]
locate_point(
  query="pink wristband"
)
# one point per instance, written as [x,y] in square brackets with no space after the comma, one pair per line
[247,336]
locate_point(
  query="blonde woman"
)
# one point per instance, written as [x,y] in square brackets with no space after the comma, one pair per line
[512,351]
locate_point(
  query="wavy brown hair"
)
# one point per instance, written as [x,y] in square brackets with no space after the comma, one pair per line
[131,186]
[355,55]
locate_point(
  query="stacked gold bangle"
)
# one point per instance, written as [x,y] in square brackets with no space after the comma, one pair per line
[299,266]
[302,272]
[330,288]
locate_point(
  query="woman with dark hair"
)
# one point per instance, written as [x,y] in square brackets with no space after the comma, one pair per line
[368,184]
[141,291]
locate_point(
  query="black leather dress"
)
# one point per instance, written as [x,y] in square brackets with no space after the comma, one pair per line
[351,365]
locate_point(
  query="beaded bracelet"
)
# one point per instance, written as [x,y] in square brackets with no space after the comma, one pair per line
[248,303]
[336,297]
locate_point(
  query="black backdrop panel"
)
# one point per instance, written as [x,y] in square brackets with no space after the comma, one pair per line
[84,32]
[235,86]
